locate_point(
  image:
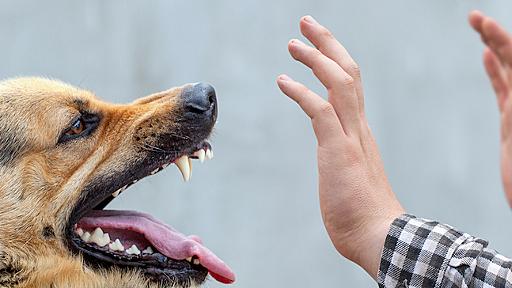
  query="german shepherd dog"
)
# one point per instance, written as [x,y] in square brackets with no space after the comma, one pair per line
[64,155]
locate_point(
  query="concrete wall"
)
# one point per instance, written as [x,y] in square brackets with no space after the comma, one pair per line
[428,101]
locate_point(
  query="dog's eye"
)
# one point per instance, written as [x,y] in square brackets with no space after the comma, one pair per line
[81,127]
[77,128]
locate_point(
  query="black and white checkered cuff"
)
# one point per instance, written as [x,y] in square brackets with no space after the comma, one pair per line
[417,252]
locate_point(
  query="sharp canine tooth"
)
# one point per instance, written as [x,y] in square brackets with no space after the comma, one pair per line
[201,154]
[190,165]
[133,250]
[196,261]
[85,237]
[79,232]
[189,259]
[184,166]
[148,250]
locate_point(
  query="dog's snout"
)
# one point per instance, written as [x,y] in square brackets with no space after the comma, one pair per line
[199,98]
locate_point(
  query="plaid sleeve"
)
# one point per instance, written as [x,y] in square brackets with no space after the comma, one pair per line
[424,253]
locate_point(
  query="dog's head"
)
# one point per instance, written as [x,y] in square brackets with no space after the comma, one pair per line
[64,155]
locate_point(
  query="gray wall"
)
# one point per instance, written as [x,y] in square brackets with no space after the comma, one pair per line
[428,100]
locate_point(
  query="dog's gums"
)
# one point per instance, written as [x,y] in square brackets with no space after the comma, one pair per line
[135,239]
[110,237]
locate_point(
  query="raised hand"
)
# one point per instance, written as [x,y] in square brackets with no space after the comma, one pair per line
[357,202]
[498,63]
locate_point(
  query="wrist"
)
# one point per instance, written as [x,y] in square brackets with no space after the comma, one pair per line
[364,245]
[369,257]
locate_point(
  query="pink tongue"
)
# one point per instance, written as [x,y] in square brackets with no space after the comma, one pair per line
[163,237]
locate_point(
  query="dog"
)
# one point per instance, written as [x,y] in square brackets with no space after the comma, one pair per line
[65,155]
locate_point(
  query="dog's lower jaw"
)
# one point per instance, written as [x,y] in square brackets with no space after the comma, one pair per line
[69,272]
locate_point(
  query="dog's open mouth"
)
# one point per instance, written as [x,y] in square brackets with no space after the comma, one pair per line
[135,240]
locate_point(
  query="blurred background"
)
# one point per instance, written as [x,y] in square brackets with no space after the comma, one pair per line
[428,102]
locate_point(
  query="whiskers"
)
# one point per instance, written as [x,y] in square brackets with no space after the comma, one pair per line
[148,147]
[155,149]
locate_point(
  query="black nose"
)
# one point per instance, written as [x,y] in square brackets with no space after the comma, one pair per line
[199,98]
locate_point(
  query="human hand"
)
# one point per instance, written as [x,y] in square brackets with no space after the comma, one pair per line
[357,202]
[498,63]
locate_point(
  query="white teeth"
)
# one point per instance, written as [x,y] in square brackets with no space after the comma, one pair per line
[189,259]
[115,194]
[190,165]
[148,250]
[97,234]
[99,238]
[209,154]
[133,250]
[134,181]
[154,171]
[106,239]
[85,237]
[165,166]
[196,261]
[200,154]
[116,246]
[183,164]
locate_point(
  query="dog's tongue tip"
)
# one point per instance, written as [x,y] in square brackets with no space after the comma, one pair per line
[223,279]
[220,272]
[215,266]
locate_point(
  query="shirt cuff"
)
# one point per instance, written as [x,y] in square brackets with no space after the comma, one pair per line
[416,252]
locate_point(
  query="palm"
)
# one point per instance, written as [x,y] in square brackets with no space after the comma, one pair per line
[498,63]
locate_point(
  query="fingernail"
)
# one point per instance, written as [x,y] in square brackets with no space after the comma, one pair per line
[284,78]
[310,19]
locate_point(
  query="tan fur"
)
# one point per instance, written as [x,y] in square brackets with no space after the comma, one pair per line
[41,181]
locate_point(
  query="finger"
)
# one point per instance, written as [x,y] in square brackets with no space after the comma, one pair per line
[324,41]
[325,122]
[498,40]
[485,40]
[476,18]
[339,84]
[496,75]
